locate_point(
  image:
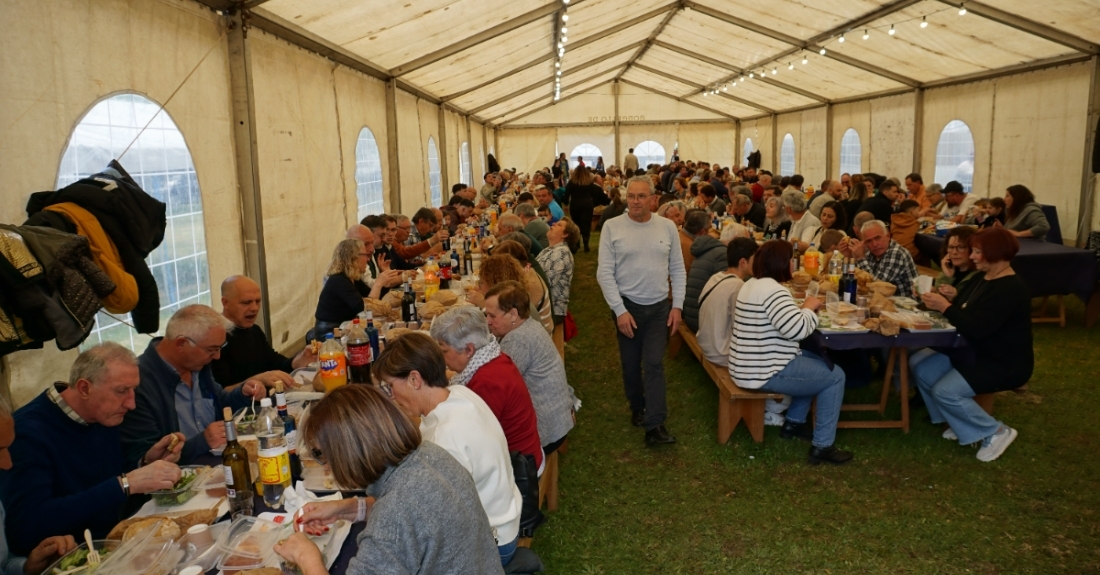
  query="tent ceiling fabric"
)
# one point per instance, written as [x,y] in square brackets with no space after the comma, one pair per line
[499,64]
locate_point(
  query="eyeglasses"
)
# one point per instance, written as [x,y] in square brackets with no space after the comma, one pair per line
[364,255]
[210,351]
[956,248]
[637,198]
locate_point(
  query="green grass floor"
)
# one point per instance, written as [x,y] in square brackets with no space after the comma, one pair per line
[908,503]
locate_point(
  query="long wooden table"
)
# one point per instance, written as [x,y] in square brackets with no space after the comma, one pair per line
[899,346]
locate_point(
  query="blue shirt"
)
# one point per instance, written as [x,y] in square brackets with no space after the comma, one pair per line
[195,412]
[556,213]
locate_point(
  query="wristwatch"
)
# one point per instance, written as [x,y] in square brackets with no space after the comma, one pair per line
[125,484]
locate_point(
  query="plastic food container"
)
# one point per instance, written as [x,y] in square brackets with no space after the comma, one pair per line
[156,556]
[208,558]
[244,419]
[183,494]
[214,483]
[79,556]
[247,544]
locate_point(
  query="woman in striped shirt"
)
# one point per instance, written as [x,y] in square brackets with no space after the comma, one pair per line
[764,353]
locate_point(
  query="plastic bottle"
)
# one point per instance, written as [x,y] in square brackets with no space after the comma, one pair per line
[431,279]
[333,364]
[445,271]
[238,475]
[812,260]
[274,457]
[290,428]
[372,335]
[359,354]
[853,285]
[836,267]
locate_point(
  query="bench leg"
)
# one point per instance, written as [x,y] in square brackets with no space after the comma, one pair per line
[888,380]
[752,413]
[727,418]
[675,342]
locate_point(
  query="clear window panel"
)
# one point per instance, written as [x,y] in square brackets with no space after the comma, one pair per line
[368,175]
[851,153]
[786,156]
[649,152]
[587,151]
[955,155]
[435,179]
[747,150]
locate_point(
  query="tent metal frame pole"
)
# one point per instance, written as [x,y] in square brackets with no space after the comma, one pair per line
[496,143]
[618,144]
[392,156]
[1088,179]
[918,129]
[243,95]
[469,152]
[724,122]
[678,99]
[831,173]
[775,143]
[1028,26]
[444,164]
[737,143]
[649,41]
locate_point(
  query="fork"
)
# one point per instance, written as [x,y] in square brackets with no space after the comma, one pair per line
[93,555]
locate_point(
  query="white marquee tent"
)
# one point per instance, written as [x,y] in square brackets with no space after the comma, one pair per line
[299,116]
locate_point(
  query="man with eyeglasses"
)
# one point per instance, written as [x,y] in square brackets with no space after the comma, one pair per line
[639,257]
[884,258]
[408,257]
[178,392]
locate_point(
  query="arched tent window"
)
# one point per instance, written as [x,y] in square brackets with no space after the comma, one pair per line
[464,165]
[955,155]
[748,149]
[160,163]
[851,153]
[649,152]
[586,151]
[435,181]
[368,175]
[786,156]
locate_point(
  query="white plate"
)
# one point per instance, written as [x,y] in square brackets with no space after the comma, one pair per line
[832,330]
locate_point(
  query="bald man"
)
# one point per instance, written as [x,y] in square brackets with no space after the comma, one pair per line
[247,353]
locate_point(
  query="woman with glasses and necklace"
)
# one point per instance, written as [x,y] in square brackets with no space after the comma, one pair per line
[993,313]
[957,269]
[422,511]
[413,373]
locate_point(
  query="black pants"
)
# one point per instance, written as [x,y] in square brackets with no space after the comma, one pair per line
[582,216]
[642,358]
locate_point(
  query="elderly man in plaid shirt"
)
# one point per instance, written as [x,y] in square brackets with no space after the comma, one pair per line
[882,257]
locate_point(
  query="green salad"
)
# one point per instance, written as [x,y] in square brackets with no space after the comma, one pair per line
[181,492]
[78,558]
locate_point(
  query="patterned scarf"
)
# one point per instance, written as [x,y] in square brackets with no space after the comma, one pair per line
[481,357]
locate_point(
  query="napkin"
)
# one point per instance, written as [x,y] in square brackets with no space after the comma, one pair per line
[295,499]
[924,284]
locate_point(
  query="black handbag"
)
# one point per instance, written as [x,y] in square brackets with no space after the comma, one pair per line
[527,480]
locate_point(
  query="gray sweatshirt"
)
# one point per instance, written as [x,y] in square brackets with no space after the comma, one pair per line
[427,519]
[534,354]
[1031,218]
[638,260]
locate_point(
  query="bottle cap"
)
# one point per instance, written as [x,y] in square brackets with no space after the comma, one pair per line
[265,402]
[227,413]
[370,316]
[356,320]
[328,336]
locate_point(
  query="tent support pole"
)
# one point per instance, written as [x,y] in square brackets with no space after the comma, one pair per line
[391,147]
[484,149]
[444,175]
[1088,179]
[618,146]
[831,173]
[248,170]
[737,149]
[918,130]
[469,152]
[496,144]
[775,144]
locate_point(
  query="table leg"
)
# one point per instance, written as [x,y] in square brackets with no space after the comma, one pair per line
[903,353]
[887,380]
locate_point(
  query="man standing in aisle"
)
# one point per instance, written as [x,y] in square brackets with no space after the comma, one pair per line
[630,163]
[639,258]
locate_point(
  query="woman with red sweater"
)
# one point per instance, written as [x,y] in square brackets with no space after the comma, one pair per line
[475,357]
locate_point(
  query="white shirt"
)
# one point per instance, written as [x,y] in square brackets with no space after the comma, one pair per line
[963,208]
[466,427]
[808,222]
[716,316]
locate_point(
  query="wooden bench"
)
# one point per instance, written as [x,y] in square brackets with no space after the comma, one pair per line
[734,404]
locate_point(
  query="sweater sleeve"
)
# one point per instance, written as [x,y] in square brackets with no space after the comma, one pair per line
[141,428]
[676,270]
[1036,222]
[35,512]
[605,273]
[788,319]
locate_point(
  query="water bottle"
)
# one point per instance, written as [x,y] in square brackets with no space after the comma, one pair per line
[274,457]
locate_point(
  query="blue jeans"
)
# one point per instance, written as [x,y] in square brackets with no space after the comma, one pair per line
[643,360]
[804,378]
[950,398]
[507,551]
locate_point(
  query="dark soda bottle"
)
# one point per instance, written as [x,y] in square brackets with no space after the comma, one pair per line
[359,354]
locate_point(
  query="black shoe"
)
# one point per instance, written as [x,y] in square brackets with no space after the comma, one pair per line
[830,455]
[586,250]
[659,436]
[792,430]
[638,418]
[916,402]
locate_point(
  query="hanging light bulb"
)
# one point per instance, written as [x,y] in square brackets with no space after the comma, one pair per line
[841,40]
[962,10]
[564,30]
[752,75]
[790,66]
[705,93]
[822,52]
[565,17]
[892,31]
[742,77]
[560,46]
[866,34]
[564,39]
[775,71]
[559,72]
[557,64]
[566,2]
[725,88]
[805,60]
[924,22]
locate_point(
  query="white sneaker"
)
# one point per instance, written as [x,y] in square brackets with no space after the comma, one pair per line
[774,419]
[996,444]
[950,434]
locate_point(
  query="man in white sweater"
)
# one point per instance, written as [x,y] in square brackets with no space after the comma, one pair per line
[639,258]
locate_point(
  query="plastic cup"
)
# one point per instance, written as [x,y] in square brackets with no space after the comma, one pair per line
[246,504]
[200,536]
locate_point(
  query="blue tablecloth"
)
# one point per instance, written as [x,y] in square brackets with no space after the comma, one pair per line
[1046,268]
